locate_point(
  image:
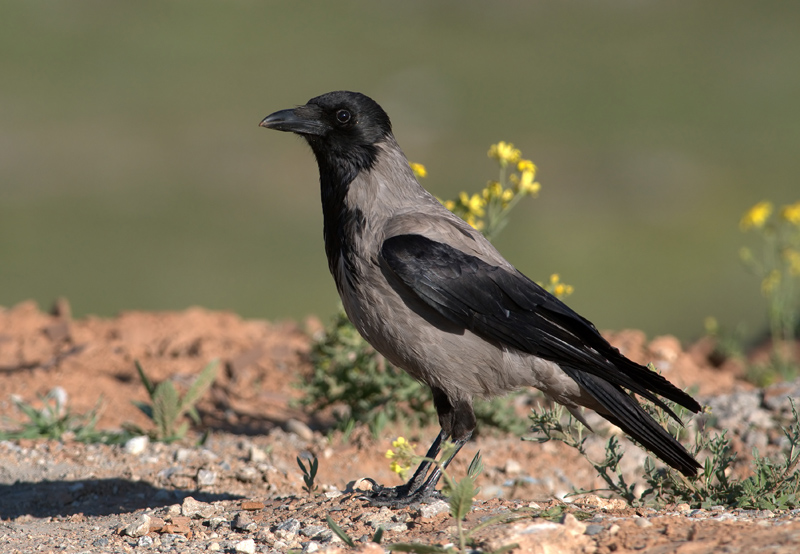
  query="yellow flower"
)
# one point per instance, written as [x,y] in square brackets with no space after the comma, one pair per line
[419,170]
[492,190]
[400,442]
[527,185]
[473,204]
[559,289]
[791,213]
[793,257]
[770,282]
[526,165]
[504,152]
[756,216]
[449,204]
[507,195]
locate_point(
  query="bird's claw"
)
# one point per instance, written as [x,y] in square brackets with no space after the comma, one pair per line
[400,496]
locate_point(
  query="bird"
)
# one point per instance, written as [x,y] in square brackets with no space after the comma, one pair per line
[438,300]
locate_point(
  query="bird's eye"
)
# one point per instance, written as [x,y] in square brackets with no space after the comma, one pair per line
[343,116]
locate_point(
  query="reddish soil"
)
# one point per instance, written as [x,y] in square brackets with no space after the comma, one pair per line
[255,433]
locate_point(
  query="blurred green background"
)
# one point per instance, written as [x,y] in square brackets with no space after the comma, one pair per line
[133,174]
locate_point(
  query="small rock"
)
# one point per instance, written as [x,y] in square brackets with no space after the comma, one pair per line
[168,539]
[145,541]
[214,546]
[248,474]
[137,445]
[217,522]
[643,522]
[394,527]
[244,522]
[573,526]
[614,529]
[291,525]
[512,467]
[683,507]
[252,505]
[433,509]
[311,547]
[196,509]
[319,532]
[300,429]
[257,455]
[593,529]
[138,528]
[247,546]
[101,542]
[333,494]
[156,524]
[182,454]
[206,477]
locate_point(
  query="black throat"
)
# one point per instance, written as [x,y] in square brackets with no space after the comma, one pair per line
[343,224]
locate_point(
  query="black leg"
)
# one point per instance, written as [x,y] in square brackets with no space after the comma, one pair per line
[458,422]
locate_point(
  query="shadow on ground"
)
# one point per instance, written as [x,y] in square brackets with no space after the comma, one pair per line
[90,497]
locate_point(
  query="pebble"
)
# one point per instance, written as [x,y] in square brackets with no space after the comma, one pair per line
[248,474]
[320,532]
[300,429]
[593,529]
[206,477]
[393,527]
[247,546]
[311,546]
[145,541]
[139,527]
[643,522]
[214,546]
[196,509]
[512,467]
[256,454]
[137,445]
[244,522]
[433,509]
[291,525]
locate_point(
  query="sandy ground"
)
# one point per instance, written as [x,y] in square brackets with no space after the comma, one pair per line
[241,490]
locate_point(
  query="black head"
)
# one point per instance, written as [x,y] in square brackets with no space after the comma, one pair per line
[341,127]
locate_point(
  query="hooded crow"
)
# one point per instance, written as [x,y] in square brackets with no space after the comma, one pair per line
[433,296]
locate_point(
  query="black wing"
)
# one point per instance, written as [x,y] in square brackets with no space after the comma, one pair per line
[504,306]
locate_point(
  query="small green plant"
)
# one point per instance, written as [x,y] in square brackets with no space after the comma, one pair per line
[167,407]
[347,372]
[773,485]
[339,532]
[309,474]
[461,494]
[776,262]
[54,420]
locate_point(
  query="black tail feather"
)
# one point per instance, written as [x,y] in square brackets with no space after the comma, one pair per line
[624,411]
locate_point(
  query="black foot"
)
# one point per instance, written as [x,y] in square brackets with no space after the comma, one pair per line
[401,497]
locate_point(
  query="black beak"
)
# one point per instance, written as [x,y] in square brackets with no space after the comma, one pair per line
[303,121]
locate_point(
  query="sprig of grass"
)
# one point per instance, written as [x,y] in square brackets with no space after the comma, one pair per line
[773,485]
[55,420]
[309,474]
[167,407]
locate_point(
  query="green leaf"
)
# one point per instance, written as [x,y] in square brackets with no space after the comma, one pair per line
[148,385]
[418,548]
[339,531]
[461,495]
[378,536]
[200,385]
